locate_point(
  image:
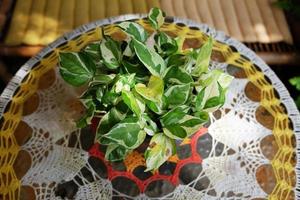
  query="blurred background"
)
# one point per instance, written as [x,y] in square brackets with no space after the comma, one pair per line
[269,27]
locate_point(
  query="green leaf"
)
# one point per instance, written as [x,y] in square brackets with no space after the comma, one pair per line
[76,68]
[184,127]
[152,60]
[110,98]
[167,45]
[153,91]
[135,105]
[199,100]
[155,107]
[177,75]
[115,152]
[102,79]
[175,131]
[93,50]
[174,115]
[203,58]
[142,74]
[86,118]
[160,149]
[110,119]
[134,30]
[177,94]
[295,82]
[110,52]
[156,18]
[150,126]
[124,82]
[126,133]
[176,60]
[212,90]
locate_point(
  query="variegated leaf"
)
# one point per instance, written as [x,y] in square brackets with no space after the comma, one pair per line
[149,125]
[156,18]
[76,68]
[134,30]
[93,49]
[110,119]
[160,149]
[115,152]
[177,75]
[167,45]
[152,60]
[124,82]
[203,58]
[134,103]
[102,79]
[126,133]
[110,52]
[153,91]
[212,89]
[177,94]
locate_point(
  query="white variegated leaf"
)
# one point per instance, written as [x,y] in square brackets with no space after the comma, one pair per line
[156,17]
[134,30]
[151,60]
[160,149]
[110,52]
[177,94]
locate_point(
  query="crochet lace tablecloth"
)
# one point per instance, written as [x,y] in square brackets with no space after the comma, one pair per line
[249,150]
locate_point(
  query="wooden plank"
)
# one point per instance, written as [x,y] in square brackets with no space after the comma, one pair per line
[50,21]
[218,15]
[231,19]
[179,8]
[282,23]
[269,20]
[18,23]
[139,6]
[66,16]
[97,9]
[82,10]
[257,22]
[204,12]
[152,4]
[167,6]
[112,8]
[244,20]
[126,7]
[191,10]
[36,23]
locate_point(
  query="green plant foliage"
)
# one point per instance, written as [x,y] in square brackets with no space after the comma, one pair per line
[141,90]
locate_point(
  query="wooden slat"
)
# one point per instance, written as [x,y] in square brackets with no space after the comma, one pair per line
[126,7]
[167,6]
[112,8]
[19,22]
[97,9]
[244,20]
[269,20]
[282,23]
[36,23]
[50,21]
[81,12]
[179,8]
[257,22]
[139,6]
[231,19]
[66,16]
[204,12]
[218,16]
[191,10]
[152,4]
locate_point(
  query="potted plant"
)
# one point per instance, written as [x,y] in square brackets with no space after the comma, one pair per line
[145,86]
